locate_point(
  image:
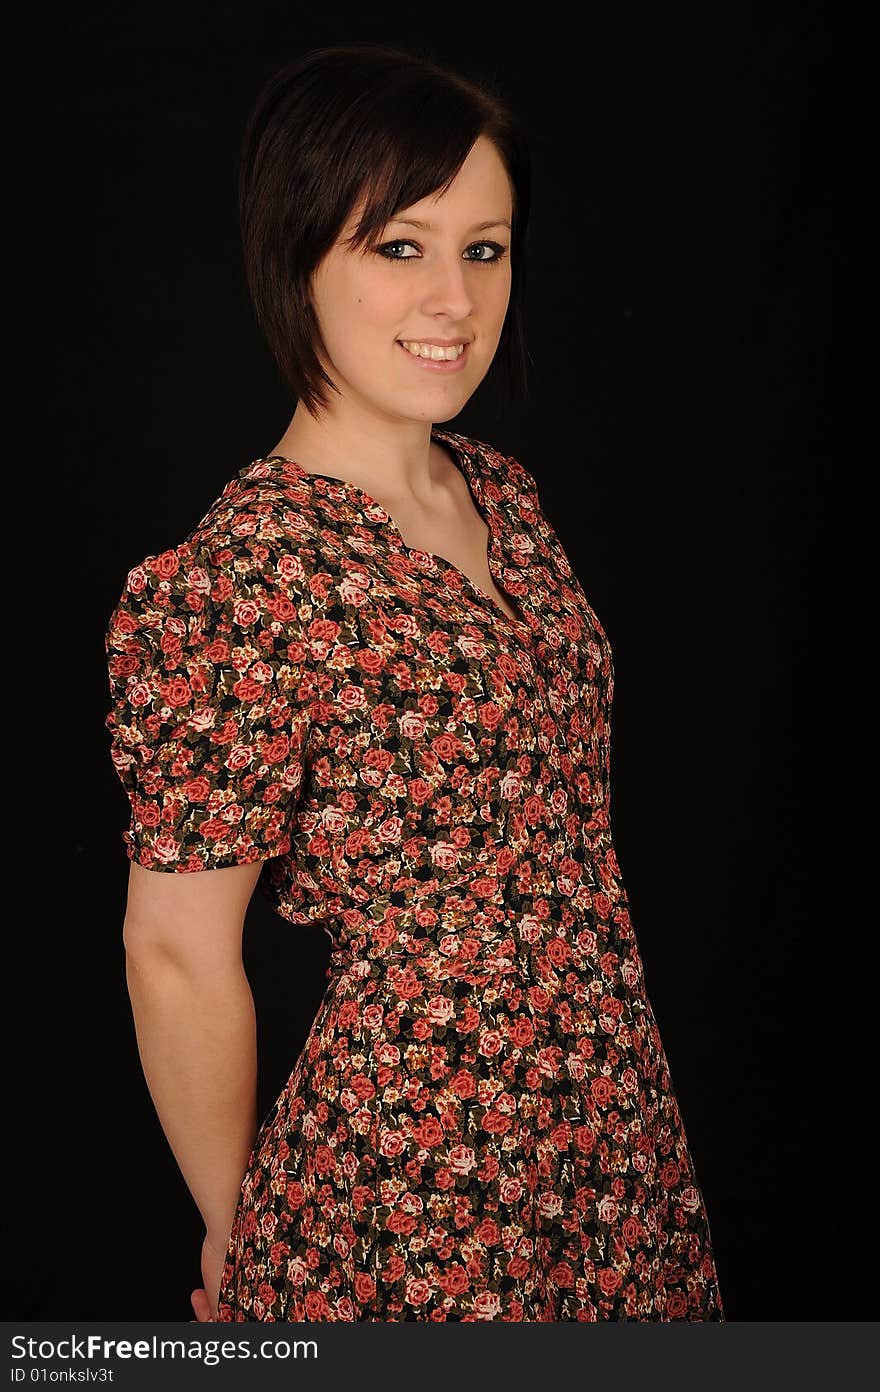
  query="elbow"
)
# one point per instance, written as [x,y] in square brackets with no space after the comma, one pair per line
[145,942]
[194,944]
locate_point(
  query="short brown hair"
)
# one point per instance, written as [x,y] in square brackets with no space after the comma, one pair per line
[354,119]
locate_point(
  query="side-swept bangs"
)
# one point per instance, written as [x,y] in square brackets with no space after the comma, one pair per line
[352,123]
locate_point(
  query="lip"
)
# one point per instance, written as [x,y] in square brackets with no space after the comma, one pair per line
[432,365]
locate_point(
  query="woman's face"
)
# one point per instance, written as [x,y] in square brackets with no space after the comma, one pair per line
[450,280]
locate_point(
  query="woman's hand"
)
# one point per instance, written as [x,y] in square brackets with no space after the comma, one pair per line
[204,1298]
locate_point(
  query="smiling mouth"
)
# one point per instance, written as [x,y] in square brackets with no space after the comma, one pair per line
[433,352]
[441,365]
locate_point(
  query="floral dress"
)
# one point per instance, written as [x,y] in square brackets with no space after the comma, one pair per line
[481,1124]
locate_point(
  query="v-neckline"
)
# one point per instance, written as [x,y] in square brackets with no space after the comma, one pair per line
[463,462]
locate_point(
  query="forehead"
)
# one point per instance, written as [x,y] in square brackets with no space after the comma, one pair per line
[479,193]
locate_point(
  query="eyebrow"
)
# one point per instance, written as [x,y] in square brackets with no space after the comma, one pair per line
[429,227]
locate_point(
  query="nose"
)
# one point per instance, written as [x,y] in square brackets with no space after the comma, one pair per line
[449,290]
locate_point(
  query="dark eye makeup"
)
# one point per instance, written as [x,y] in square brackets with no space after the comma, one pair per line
[499,251]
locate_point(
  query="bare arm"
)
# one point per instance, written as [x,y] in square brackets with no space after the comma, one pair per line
[195,1024]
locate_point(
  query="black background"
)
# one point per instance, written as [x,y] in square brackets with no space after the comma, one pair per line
[699,336]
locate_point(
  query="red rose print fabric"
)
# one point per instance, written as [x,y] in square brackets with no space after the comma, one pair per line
[481,1124]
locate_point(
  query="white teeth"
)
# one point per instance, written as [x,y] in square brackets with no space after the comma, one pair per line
[433,350]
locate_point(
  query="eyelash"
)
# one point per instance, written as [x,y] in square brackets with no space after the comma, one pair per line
[500,252]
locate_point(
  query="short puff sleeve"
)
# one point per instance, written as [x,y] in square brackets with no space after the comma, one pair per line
[210,709]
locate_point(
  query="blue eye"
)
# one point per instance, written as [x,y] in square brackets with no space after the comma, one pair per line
[499,252]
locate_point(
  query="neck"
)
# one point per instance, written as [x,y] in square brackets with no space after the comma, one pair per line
[397,458]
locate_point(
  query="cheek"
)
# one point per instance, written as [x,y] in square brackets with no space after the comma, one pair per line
[383,301]
[500,291]
[494,307]
[361,304]
[372,300]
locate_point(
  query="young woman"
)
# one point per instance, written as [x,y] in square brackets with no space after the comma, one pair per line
[370,682]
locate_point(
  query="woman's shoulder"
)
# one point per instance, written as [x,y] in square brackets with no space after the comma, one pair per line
[264,509]
[256,540]
[506,469]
